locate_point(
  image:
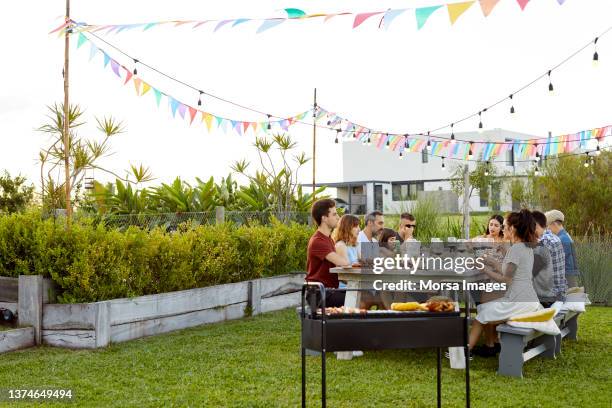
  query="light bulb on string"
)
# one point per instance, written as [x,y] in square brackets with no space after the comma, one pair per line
[337,133]
[269,124]
[470,153]
[551,89]
[537,153]
[537,171]
[200,100]
[369,143]
[400,155]
[486,172]
[387,145]
[480,126]
[512,111]
[598,149]
[595,54]
[135,72]
[586,161]
[443,164]
[452,133]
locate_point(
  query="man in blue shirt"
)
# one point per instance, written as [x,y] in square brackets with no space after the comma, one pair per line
[555,219]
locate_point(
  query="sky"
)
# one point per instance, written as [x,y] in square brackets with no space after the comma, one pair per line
[400,80]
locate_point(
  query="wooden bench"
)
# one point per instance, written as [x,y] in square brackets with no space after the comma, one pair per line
[519,345]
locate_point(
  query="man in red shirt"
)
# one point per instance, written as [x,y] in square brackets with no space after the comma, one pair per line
[322,253]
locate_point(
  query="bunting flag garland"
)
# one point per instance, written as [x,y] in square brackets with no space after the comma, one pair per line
[458,149]
[186,111]
[422,14]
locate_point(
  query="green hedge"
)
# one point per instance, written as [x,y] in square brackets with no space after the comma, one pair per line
[91,263]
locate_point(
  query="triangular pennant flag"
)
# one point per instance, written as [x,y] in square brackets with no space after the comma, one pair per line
[148,26]
[245,126]
[92,51]
[487,6]
[222,124]
[173,105]
[294,13]
[457,9]
[522,3]
[238,127]
[81,40]
[561,2]
[158,96]
[106,59]
[207,118]
[182,110]
[221,24]
[360,18]
[267,24]
[423,13]
[390,15]
[200,23]
[192,113]
[145,88]
[128,75]
[219,120]
[115,67]
[137,82]
[240,21]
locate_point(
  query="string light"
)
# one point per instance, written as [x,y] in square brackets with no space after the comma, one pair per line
[537,152]
[369,139]
[135,72]
[470,153]
[586,161]
[200,102]
[537,171]
[598,150]
[337,133]
[269,124]
[400,155]
[595,54]
[452,133]
[480,120]
[486,173]
[551,89]
[443,164]
[511,105]
[387,146]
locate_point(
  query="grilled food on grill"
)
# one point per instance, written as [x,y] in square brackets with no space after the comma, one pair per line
[405,307]
[440,305]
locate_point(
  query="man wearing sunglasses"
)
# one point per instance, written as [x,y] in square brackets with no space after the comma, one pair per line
[406,227]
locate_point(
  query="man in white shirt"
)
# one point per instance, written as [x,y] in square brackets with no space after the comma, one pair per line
[374,222]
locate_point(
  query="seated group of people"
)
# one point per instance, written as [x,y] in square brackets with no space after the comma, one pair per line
[536,263]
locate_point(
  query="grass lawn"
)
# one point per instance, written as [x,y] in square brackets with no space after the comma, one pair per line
[255,362]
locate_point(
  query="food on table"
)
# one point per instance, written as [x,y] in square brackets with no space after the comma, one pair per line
[439,304]
[356,265]
[405,306]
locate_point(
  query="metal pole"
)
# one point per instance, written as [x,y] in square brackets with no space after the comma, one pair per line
[67,116]
[314,144]
[466,201]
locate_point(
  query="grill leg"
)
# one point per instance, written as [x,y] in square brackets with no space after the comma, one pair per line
[323,380]
[439,377]
[303,377]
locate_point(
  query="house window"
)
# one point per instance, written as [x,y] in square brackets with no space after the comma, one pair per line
[424,156]
[406,191]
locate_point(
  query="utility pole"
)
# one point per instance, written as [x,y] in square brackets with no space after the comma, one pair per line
[66,124]
[314,144]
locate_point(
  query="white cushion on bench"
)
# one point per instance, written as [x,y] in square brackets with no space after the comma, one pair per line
[547,327]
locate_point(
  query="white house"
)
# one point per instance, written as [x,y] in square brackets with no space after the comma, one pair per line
[377,179]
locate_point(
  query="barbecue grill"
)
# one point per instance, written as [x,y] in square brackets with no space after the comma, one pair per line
[378,331]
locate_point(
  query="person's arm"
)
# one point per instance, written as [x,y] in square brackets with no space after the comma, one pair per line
[341,249]
[506,277]
[337,259]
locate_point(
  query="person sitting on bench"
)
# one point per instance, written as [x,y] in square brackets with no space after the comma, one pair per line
[322,253]
[516,273]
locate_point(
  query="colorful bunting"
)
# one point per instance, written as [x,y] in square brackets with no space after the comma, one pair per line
[455,10]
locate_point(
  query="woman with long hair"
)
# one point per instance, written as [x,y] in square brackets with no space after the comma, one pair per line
[495,229]
[345,237]
[516,273]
